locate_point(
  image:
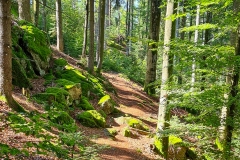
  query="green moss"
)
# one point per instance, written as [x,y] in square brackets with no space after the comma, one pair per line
[60,117]
[173,140]
[102,113]
[127,132]
[45,97]
[60,62]
[136,123]
[3,98]
[84,104]
[19,77]
[111,132]
[35,40]
[104,99]
[91,118]
[219,144]
[62,96]
[64,83]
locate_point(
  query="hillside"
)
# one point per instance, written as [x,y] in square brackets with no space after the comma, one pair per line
[69,113]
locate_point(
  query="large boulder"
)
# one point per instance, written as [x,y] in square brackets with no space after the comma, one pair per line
[91,118]
[107,104]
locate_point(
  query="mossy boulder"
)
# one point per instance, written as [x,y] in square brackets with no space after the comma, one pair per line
[35,44]
[88,82]
[84,104]
[62,96]
[177,149]
[107,104]
[19,76]
[91,118]
[111,132]
[138,124]
[127,132]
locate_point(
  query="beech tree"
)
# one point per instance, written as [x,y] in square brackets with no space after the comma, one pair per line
[163,113]
[36,11]
[85,36]
[24,10]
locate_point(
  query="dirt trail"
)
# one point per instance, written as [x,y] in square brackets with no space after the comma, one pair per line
[135,103]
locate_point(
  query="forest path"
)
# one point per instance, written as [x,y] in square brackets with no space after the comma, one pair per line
[135,103]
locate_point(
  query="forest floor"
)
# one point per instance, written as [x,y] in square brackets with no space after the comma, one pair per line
[131,100]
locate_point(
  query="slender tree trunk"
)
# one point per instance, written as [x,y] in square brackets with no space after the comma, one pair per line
[101,35]
[59,25]
[231,110]
[97,32]
[36,11]
[24,10]
[153,46]
[207,37]
[85,37]
[44,16]
[163,114]
[6,55]
[91,45]
[195,41]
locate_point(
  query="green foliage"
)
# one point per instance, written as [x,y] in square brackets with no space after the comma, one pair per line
[62,96]
[5,151]
[60,62]
[131,66]
[91,118]
[84,104]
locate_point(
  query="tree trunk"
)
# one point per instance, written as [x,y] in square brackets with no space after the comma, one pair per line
[85,37]
[44,16]
[36,11]
[101,35]
[195,41]
[97,32]
[6,55]
[163,114]
[153,46]
[24,10]
[59,25]
[206,42]
[91,45]
[231,110]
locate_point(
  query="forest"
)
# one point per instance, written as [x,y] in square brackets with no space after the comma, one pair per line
[119,79]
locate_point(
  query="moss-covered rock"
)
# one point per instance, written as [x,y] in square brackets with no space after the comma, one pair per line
[127,132]
[35,44]
[138,124]
[110,132]
[19,77]
[177,149]
[62,96]
[91,118]
[45,97]
[84,104]
[107,104]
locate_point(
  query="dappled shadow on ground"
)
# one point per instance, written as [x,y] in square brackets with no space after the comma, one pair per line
[125,153]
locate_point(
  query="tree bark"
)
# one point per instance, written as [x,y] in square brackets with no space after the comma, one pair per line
[36,11]
[59,25]
[153,46]
[85,37]
[44,19]
[24,10]
[163,114]
[91,45]
[101,35]
[6,55]
[193,80]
